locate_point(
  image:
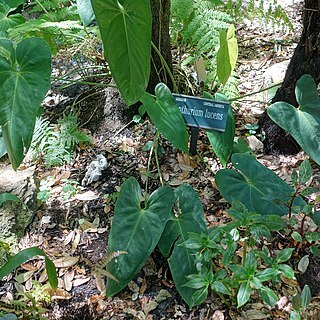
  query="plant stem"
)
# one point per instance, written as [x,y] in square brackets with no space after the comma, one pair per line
[148,170]
[155,143]
[245,245]
[256,92]
[175,87]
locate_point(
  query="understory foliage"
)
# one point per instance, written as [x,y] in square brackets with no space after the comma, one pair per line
[53,10]
[269,13]
[196,26]
[232,260]
[55,144]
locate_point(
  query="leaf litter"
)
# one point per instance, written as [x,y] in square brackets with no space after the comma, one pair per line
[74,232]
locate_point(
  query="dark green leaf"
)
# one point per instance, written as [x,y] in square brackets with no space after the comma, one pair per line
[306,91]
[305,171]
[295,315]
[8,20]
[286,271]
[274,222]
[294,177]
[267,274]
[24,81]
[4,197]
[315,250]
[316,218]
[284,254]
[305,296]
[296,236]
[218,286]
[244,293]
[312,236]
[255,283]
[166,116]
[188,217]
[196,281]
[136,230]
[302,123]
[309,190]
[26,255]
[296,302]
[222,142]
[268,296]
[251,262]
[125,28]
[239,271]
[228,254]
[200,295]
[257,187]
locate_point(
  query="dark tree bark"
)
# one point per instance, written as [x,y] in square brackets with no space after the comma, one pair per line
[306,59]
[161,39]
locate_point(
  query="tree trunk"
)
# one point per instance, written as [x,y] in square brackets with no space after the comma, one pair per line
[306,59]
[161,39]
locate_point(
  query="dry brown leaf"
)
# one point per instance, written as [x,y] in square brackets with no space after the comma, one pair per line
[69,238]
[86,196]
[150,306]
[86,225]
[28,285]
[100,282]
[61,294]
[65,262]
[106,209]
[175,182]
[80,282]
[43,277]
[75,241]
[29,267]
[67,279]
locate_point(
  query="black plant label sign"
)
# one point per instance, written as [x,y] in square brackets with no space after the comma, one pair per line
[203,113]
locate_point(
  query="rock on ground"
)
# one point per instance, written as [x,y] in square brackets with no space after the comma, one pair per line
[16,216]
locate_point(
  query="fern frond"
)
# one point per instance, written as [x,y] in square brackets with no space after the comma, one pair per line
[56,143]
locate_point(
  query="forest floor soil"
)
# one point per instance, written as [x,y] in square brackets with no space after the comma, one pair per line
[73,229]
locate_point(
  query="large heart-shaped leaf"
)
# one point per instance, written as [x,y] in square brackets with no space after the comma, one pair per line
[227,54]
[302,123]
[254,185]
[85,11]
[187,217]
[136,231]
[166,116]
[8,20]
[125,28]
[14,3]
[222,142]
[24,80]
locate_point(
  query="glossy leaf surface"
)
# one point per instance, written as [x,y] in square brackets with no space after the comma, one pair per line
[302,123]
[24,80]
[222,142]
[136,230]
[125,28]
[254,185]
[166,116]
[188,217]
